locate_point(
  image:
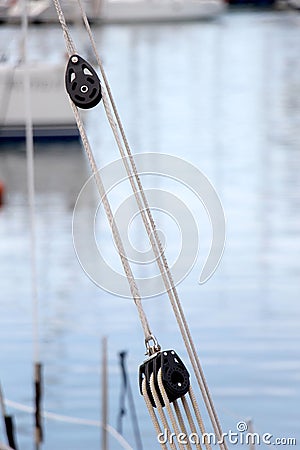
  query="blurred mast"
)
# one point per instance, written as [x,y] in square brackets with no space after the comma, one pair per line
[104,444]
[37,369]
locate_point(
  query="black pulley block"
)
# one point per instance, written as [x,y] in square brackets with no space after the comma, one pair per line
[175,377]
[82,83]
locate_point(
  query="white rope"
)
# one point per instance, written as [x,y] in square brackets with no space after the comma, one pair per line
[190,419]
[124,260]
[181,422]
[174,436]
[71,420]
[154,239]
[161,413]
[116,126]
[115,231]
[197,413]
[168,407]
[68,40]
[152,413]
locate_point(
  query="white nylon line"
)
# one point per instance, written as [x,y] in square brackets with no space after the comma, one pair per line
[71,420]
[177,308]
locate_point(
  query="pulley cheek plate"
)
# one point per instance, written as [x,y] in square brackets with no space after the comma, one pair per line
[175,377]
[82,83]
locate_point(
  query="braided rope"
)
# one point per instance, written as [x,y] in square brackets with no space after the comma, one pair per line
[134,179]
[152,413]
[68,39]
[124,260]
[181,422]
[168,407]
[198,415]
[155,241]
[115,231]
[161,413]
[179,429]
[190,420]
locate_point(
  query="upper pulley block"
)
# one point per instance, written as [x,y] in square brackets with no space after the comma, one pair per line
[82,83]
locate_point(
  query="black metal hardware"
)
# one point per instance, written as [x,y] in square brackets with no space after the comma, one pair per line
[82,83]
[175,377]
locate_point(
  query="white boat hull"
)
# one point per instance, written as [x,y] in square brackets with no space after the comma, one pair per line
[119,11]
[52,115]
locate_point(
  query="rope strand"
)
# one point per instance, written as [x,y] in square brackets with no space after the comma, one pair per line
[154,238]
[119,134]
[152,413]
[115,231]
[71,420]
[161,413]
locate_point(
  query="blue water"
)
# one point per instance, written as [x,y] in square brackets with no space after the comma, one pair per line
[224,96]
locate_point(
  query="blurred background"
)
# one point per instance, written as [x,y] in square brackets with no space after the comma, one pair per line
[223,94]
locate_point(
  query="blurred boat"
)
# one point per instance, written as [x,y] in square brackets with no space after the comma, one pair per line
[38,11]
[115,11]
[122,11]
[12,11]
[52,115]
[4,7]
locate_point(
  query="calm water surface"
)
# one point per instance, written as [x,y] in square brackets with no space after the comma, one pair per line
[224,96]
